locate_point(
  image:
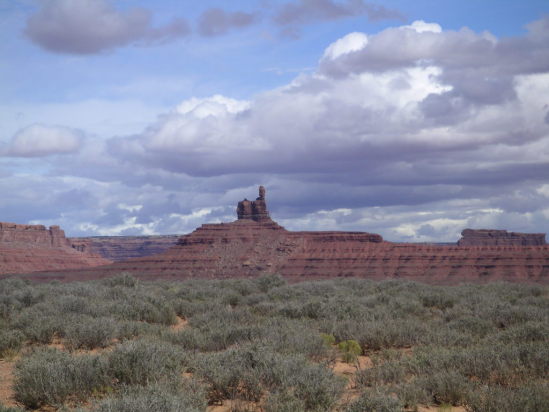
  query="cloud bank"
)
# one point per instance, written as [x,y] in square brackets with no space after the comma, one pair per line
[414,132]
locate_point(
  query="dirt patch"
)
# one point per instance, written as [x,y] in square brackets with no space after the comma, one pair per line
[441,409]
[181,324]
[341,368]
[6,382]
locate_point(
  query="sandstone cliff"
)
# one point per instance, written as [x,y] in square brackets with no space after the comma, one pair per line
[252,246]
[489,237]
[32,248]
[118,248]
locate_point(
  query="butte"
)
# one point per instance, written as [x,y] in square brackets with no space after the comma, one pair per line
[254,244]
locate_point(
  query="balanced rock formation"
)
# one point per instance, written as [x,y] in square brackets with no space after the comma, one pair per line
[118,248]
[254,244]
[32,248]
[489,237]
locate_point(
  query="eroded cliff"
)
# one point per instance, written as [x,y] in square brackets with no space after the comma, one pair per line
[252,246]
[32,248]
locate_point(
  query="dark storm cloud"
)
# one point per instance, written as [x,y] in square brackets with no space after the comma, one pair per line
[216,22]
[92,26]
[308,11]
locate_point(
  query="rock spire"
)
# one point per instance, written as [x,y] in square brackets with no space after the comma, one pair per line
[255,210]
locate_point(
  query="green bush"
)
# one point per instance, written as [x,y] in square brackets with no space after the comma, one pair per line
[350,349]
[49,377]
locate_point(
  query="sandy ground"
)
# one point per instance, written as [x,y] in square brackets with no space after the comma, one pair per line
[181,324]
[6,382]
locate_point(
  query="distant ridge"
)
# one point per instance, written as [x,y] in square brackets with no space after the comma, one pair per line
[255,244]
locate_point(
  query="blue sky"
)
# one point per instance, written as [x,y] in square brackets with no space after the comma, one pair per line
[410,119]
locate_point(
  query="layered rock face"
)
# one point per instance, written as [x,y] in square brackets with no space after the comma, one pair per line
[32,235]
[31,248]
[254,244]
[118,248]
[487,237]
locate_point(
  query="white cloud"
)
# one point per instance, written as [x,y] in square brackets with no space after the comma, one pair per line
[421,27]
[350,43]
[40,140]
[216,106]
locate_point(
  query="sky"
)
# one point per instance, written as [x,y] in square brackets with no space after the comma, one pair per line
[411,119]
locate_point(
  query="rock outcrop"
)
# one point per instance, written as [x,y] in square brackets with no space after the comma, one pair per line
[118,248]
[489,237]
[254,244]
[32,248]
[254,210]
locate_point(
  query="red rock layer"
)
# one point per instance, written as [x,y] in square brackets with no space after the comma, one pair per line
[250,248]
[33,248]
[118,248]
[488,237]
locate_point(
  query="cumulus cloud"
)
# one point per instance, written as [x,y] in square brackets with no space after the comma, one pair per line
[379,125]
[41,140]
[215,22]
[413,142]
[92,26]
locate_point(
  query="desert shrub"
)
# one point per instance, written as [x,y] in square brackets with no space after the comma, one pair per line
[144,361]
[438,299]
[350,350]
[411,394]
[294,337]
[49,376]
[90,333]
[283,401]
[4,408]
[318,387]
[471,324]
[42,329]
[377,335]
[376,402]
[189,339]
[532,331]
[138,309]
[229,375]
[267,282]
[10,342]
[445,387]
[530,398]
[328,339]
[190,397]
[130,329]
[385,373]
[124,279]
